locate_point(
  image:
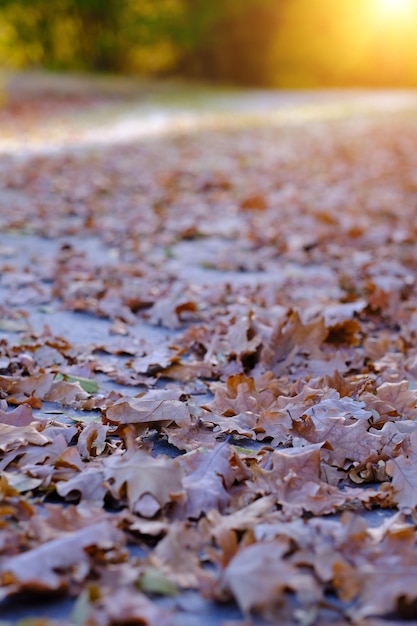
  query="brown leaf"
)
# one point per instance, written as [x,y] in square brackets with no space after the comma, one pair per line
[88,485]
[127,606]
[274,425]
[349,442]
[301,463]
[186,371]
[140,474]
[240,395]
[213,474]
[30,389]
[92,440]
[171,313]
[293,476]
[65,392]
[37,569]
[393,401]
[402,469]
[243,424]
[176,555]
[153,408]
[13,437]
[291,336]
[36,454]
[259,576]
[192,437]
[254,202]
[243,519]
[344,333]
[20,416]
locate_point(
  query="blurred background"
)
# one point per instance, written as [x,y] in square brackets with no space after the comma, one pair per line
[260,43]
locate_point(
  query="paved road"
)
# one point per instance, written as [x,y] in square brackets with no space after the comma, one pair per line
[136,115]
[132,110]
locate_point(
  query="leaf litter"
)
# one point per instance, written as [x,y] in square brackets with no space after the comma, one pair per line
[246,414]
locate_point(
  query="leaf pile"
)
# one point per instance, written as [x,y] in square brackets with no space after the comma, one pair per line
[248,415]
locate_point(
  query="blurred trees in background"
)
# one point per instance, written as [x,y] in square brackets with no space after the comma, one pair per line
[285,43]
[232,40]
[91,35]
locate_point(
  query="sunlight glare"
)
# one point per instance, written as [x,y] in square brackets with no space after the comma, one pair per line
[392,8]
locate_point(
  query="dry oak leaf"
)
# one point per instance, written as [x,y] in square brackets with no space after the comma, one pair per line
[87,485]
[241,338]
[152,408]
[315,539]
[177,555]
[43,567]
[243,519]
[344,333]
[344,386]
[304,463]
[341,312]
[239,395]
[92,440]
[126,606]
[333,406]
[213,473]
[259,577]
[292,475]
[379,593]
[154,360]
[243,424]
[170,313]
[349,442]
[27,389]
[366,555]
[22,415]
[57,521]
[398,395]
[190,370]
[403,486]
[13,437]
[65,392]
[274,425]
[296,497]
[142,475]
[393,401]
[297,404]
[20,482]
[36,454]
[190,438]
[291,336]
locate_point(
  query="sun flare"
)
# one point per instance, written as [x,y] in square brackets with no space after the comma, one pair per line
[392,8]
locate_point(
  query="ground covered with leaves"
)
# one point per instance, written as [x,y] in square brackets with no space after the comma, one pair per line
[208,376]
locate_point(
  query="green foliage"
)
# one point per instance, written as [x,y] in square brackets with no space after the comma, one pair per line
[84,34]
[227,41]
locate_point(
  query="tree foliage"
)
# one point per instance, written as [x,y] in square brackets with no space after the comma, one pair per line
[257,42]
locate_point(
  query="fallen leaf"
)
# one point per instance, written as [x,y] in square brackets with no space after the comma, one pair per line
[140,474]
[213,473]
[259,575]
[13,437]
[89,385]
[153,408]
[37,569]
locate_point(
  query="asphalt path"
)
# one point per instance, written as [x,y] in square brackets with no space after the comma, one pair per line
[143,114]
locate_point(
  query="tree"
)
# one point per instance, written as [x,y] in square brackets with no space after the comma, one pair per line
[231,43]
